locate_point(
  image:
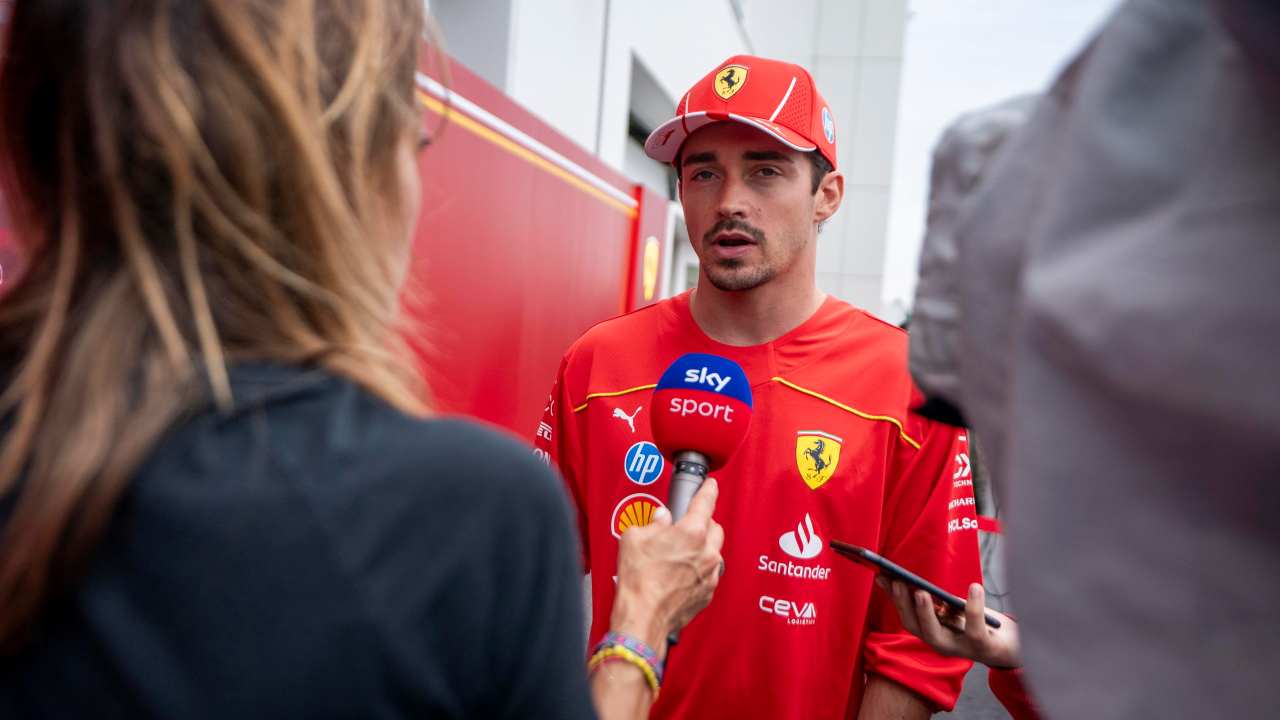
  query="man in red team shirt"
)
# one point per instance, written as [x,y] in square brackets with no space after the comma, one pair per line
[833,450]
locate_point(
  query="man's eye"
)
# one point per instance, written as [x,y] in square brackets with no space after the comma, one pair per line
[701,175]
[768,172]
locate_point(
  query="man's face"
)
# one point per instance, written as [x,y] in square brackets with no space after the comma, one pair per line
[748,203]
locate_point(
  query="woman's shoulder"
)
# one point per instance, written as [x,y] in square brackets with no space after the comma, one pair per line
[458,460]
[449,457]
[317,448]
[314,423]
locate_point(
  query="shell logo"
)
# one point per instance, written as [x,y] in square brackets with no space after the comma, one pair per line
[633,511]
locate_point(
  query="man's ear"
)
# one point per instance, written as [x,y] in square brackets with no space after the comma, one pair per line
[829,195]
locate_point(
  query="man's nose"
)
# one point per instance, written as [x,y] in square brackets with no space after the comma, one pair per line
[733,202]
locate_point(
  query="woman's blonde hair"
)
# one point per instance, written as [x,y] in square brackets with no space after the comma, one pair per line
[194,183]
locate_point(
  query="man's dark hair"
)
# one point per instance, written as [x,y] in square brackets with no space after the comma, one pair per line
[819,162]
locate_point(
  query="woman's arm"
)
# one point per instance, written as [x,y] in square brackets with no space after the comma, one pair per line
[667,573]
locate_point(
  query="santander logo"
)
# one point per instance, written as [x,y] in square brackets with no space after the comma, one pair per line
[802,543]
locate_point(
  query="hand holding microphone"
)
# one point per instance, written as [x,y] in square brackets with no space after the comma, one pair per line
[668,572]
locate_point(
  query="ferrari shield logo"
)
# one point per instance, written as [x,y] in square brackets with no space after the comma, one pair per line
[730,80]
[817,455]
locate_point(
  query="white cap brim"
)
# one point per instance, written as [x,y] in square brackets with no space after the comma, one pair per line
[664,143]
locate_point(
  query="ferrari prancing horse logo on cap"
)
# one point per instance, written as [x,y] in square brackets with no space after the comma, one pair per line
[817,454]
[730,80]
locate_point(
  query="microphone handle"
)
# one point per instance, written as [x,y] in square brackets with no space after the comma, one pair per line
[690,472]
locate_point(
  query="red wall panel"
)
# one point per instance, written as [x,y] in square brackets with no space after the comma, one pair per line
[514,256]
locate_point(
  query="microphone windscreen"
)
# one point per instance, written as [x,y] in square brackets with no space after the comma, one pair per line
[702,403]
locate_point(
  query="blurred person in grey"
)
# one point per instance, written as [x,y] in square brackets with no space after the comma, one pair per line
[1110,324]
[961,161]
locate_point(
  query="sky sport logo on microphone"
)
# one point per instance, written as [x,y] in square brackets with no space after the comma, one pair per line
[689,406]
[702,403]
[703,376]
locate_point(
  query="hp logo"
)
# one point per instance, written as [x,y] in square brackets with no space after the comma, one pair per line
[643,463]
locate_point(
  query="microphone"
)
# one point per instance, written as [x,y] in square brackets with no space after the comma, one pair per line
[699,414]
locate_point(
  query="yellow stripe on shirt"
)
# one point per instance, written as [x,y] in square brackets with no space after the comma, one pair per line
[628,391]
[866,416]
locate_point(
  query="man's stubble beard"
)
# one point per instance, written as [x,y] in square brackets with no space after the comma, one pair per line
[733,276]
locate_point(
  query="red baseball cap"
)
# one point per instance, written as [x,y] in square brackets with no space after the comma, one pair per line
[775,97]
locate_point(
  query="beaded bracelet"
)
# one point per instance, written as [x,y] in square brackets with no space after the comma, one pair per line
[622,647]
[617,652]
[635,645]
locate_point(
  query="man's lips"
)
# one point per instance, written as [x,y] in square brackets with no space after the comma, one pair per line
[733,239]
[731,245]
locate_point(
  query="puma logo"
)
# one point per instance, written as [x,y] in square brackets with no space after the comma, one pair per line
[629,419]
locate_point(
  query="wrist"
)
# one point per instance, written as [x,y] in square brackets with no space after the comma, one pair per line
[1002,659]
[619,648]
[636,619]
[645,632]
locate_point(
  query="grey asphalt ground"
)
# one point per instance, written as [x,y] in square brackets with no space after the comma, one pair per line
[977,702]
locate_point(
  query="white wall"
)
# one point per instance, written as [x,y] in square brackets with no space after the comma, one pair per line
[784,30]
[857,63]
[554,67]
[477,32]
